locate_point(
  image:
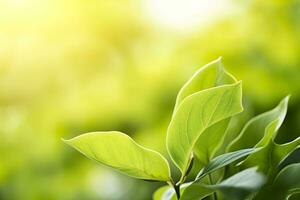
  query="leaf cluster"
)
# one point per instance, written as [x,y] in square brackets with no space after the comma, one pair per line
[251,167]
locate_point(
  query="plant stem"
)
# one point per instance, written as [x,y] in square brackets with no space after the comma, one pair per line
[176,188]
[214,197]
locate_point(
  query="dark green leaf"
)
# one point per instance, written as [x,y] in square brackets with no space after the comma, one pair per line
[236,187]
[225,159]
[285,184]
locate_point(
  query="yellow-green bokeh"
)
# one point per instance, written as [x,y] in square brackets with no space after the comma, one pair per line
[70,67]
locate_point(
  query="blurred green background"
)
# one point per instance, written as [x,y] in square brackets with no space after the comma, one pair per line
[71,66]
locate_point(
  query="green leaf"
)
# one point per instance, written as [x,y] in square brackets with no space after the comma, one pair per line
[236,187]
[168,193]
[119,151]
[285,184]
[196,191]
[294,196]
[281,151]
[164,193]
[242,184]
[210,141]
[211,75]
[271,154]
[223,160]
[288,179]
[196,113]
[255,130]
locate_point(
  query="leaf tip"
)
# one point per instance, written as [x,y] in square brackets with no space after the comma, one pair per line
[66,141]
[287,98]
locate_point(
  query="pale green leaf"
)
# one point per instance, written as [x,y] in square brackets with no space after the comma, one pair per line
[211,75]
[164,193]
[168,193]
[119,151]
[196,113]
[210,141]
[196,191]
[254,131]
[271,154]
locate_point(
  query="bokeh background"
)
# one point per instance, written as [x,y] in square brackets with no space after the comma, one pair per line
[71,66]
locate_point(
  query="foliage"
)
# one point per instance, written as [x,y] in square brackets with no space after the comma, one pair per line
[69,67]
[250,167]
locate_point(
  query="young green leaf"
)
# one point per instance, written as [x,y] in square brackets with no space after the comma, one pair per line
[271,154]
[210,141]
[119,151]
[223,160]
[211,75]
[168,193]
[196,113]
[236,187]
[269,157]
[164,193]
[193,108]
[196,191]
[255,129]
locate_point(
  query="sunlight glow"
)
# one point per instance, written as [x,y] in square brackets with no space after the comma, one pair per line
[186,14]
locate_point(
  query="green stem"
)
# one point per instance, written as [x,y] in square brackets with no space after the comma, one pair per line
[214,197]
[176,188]
[186,173]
